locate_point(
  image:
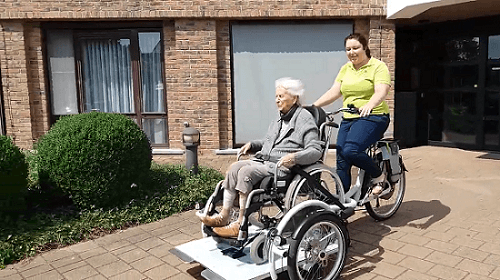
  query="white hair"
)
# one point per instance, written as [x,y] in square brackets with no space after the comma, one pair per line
[293,86]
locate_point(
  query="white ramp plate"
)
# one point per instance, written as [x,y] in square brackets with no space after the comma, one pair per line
[209,254]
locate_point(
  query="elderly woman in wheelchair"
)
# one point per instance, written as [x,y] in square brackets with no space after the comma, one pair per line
[293,139]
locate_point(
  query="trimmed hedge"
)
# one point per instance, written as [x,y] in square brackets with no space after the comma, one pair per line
[13,178]
[96,158]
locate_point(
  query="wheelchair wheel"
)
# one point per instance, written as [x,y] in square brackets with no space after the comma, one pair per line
[385,206]
[302,190]
[319,250]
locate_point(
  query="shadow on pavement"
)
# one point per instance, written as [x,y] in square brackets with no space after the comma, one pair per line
[367,234]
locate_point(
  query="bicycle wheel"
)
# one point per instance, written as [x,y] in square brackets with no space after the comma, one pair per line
[303,190]
[319,250]
[385,206]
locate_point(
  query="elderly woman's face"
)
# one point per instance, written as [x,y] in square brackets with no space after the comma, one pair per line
[284,100]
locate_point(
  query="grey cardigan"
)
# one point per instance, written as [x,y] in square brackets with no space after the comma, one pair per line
[301,137]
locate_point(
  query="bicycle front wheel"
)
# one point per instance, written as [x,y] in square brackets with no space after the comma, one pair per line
[386,205]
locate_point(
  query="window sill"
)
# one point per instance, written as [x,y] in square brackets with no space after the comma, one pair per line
[167,152]
[227,152]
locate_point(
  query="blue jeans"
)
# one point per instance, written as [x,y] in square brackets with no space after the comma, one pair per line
[354,137]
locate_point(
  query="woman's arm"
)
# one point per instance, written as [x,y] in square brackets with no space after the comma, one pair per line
[381,91]
[328,97]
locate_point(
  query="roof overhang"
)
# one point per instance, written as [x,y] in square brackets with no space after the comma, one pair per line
[405,9]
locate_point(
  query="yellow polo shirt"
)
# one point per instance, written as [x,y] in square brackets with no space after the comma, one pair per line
[358,86]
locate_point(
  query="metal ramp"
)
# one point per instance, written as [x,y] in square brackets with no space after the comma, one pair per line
[209,254]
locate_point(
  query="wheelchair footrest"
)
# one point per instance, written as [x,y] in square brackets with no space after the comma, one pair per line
[233,252]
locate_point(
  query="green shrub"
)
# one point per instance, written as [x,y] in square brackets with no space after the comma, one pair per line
[13,177]
[98,159]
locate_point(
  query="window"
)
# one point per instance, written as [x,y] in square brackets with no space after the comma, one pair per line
[118,71]
[264,52]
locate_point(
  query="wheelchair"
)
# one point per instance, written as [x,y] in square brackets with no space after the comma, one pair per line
[301,220]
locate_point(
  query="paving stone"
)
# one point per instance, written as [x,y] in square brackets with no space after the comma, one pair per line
[493,259]
[149,243]
[146,263]
[392,257]
[131,274]
[114,268]
[490,248]
[71,266]
[415,239]
[441,246]
[92,253]
[415,251]
[49,275]
[35,270]
[84,246]
[80,273]
[444,259]
[470,253]
[391,244]
[477,277]
[388,270]
[496,273]
[442,236]
[163,271]
[461,232]
[476,267]
[29,263]
[415,275]
[177,239]
[446,272]
[122,250]
[100,260]
[133,255]
[467,241]
[416,264]
[161,251]
[66,261]
[116,245]
[55,255]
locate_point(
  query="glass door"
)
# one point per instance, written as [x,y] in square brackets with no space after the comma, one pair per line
[491,117]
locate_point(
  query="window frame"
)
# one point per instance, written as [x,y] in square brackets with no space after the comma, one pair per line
[114,30]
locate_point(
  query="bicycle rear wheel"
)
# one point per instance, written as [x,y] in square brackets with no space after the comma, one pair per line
[385,206]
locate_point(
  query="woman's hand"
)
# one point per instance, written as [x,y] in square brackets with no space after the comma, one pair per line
[365,110]
[287,161]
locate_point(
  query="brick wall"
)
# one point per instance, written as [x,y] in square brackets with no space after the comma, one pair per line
[15,84]
[197,55]
[148,9]
[36,80]
[193,92]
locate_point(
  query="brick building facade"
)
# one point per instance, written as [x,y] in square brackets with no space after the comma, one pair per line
[196,57]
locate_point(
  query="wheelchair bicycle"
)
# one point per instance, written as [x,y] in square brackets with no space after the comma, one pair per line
[299,223]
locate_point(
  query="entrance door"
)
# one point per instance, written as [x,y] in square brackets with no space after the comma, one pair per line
[491,117]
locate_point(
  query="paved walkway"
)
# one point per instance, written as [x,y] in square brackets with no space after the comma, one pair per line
[447,228]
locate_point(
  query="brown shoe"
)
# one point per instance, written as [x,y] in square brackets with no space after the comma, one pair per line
[213,221]
[229,231]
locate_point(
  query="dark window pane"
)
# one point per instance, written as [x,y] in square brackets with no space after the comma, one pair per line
[491,134]
[464,49]
[151,74]
[491,104]
[459,118]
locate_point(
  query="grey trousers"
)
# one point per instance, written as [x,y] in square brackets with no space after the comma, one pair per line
[242,175]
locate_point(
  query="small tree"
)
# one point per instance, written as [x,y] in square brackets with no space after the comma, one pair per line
[13,178]
[96,158]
